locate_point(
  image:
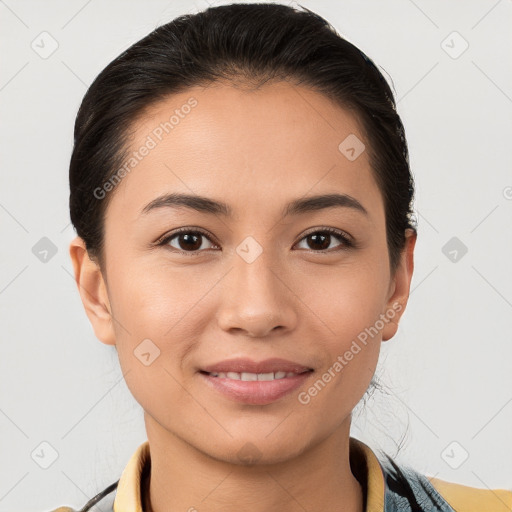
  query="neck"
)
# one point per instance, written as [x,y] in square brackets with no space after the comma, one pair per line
[183,478]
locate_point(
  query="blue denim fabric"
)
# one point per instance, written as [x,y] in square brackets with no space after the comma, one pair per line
[406,490]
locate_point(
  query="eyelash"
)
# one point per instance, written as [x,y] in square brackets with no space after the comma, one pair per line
[347,243]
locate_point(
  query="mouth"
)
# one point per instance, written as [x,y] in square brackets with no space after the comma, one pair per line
[251,377]
[245,365]
[255,388]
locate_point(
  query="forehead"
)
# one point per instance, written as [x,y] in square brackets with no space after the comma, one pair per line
[247,146]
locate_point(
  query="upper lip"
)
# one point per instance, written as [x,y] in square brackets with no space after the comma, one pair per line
[241,364]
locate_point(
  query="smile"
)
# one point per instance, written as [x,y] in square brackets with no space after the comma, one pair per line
[255,388]
[247,376]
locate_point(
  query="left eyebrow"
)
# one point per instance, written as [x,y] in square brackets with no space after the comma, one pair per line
[218,208]
[300,206]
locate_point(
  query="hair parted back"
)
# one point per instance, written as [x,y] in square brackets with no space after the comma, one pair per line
[242,44]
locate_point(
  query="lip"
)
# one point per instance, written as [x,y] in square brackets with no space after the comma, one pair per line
[242,364]
[255,392]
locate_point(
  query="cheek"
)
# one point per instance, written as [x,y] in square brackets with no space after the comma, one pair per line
[350,344]
[161,320]
[156,313]
[345,301]
[154,299]
[348,305]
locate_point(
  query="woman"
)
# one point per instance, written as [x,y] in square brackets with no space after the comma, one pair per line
[241,191]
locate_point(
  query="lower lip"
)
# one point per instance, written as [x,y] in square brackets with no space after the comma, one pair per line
[256,392]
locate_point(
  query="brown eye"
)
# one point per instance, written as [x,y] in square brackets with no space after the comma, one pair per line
[187,241]
[190,242]
[321,240]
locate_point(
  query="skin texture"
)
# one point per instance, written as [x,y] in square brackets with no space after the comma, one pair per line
[255,150]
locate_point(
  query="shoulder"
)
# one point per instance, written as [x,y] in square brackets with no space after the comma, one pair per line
[463,498]
[409,490]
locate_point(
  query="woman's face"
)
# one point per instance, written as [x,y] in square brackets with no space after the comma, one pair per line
[259,281]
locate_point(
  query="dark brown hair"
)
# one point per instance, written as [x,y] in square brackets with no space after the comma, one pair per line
[238,43]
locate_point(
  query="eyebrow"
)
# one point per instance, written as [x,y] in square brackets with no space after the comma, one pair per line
[218,208]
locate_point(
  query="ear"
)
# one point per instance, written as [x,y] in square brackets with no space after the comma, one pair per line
[400,286]
[93,291]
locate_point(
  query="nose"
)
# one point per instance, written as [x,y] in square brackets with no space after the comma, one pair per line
[256,299]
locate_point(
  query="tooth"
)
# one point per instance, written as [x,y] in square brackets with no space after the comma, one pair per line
[265,376]
[249,376]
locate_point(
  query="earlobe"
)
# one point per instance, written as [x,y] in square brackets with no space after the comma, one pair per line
[93,292]
[401,284]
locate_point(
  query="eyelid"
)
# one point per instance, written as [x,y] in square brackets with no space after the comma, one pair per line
[188,229]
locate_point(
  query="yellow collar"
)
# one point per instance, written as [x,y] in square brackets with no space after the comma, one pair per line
[128,495]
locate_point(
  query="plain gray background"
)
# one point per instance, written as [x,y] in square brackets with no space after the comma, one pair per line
[448,370]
